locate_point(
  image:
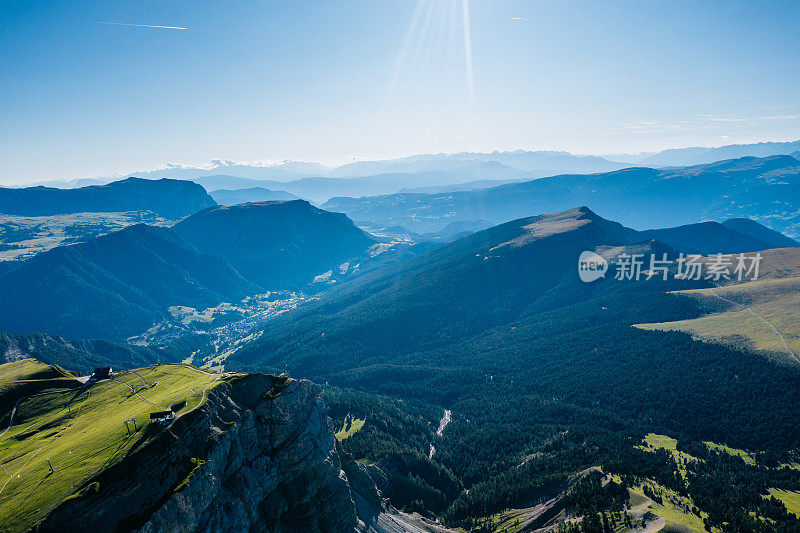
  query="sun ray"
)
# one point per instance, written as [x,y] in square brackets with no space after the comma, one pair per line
[394,77]
[468,53]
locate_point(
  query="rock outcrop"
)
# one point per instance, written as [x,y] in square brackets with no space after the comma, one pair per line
[258,455]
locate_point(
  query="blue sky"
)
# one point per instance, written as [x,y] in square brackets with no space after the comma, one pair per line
[333,81]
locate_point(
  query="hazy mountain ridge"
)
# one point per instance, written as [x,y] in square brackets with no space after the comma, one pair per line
[709,238]
[698,156]
[762,233]
[764,189]
[543,161]
[168,198]
[252,194]
[82,355]
[319,189]
[550,162]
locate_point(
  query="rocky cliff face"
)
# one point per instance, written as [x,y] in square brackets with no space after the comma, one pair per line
[259,455]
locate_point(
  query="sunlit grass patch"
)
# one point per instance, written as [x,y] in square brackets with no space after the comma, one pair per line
[653,441]
[746,457]
[675,509]
[351,426]
[790,499]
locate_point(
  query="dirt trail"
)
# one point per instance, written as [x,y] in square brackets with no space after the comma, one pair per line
[778,333]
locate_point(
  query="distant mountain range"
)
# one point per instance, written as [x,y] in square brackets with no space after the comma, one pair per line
[764,189]
[679,157]
[542,163]
[460,171]
[320,189]
[285,171]
[165,197]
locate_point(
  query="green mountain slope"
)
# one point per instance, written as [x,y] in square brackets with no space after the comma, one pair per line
[79,430]
[245,452]
[114,286]
[757,315]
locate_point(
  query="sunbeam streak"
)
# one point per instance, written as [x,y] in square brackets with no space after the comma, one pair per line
[401,54]
[468,53]
[430,48]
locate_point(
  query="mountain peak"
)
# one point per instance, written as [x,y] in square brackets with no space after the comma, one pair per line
[539,227]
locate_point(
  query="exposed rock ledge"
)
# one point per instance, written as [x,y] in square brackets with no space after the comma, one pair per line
[258,456]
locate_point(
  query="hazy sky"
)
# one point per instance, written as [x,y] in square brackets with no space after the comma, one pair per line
[330,81]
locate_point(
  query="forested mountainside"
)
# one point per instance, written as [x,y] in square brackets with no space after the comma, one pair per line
[277,245]
[114,286]
[545,375]
[121,284]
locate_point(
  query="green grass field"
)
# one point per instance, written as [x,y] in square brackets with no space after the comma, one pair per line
[508,521]
[351,425]
[746,457]
[775,301]
[674,509]
[653,441]
[79,431]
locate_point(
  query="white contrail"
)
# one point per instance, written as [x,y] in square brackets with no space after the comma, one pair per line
[468,53]
[143,25]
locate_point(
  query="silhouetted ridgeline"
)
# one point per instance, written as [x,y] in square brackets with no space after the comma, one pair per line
[168,198]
